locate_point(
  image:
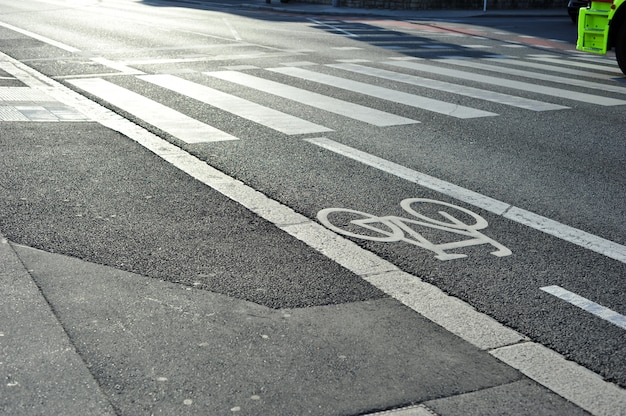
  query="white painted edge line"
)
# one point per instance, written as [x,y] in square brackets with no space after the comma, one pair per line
[587,305]
[40,38]
[118,66]
[564,232]
[568,379]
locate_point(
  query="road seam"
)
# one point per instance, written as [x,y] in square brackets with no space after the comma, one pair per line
[549,368]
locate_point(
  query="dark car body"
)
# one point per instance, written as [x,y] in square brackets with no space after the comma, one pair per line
[573,6]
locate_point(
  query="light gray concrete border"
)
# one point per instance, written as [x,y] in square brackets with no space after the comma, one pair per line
[567,379]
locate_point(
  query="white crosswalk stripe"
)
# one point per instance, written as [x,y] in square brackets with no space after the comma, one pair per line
[586,65]
[268,117]
[333,105]
[167,119]
[478,93]
[544,77]
[400,97]
[555,68]
[504,82]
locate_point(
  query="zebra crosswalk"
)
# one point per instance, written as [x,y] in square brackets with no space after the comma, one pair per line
[496,81]
[313,99]
[274,119]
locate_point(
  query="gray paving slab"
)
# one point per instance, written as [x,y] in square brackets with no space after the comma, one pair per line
[40,371]
[298,7]
[157,347]
[520,398]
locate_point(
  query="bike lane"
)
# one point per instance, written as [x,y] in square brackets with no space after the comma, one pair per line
[556,284]
[180,300]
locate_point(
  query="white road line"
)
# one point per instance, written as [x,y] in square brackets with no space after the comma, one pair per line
[564,232]
[480,94]
[568,379]
[585,304]
[333,105]
[507,83]
[564,377]
[544,77]
[399,97]
[40,38]
[171,121]
[345,32]
[579,64]
[257,113]
[206,58]
[230,27]
[556,68]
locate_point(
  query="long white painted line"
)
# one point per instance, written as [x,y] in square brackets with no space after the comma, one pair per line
[503,82]
[585,304]
[560,79]
[568,379]
[564,232]
[100,60]
[399,97]
[257,113]
[557,68]
[333,105]
[579,64]
[230,27]
[480,94]
[564,377]
[40,38]
[171,121]
[205,58]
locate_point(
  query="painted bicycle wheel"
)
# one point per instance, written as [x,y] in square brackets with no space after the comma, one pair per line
[463,219]
[359,224]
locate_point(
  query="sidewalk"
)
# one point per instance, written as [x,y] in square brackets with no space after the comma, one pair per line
[131,288]
[321,9]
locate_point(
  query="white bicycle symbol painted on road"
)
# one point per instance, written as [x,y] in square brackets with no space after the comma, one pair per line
[394,229]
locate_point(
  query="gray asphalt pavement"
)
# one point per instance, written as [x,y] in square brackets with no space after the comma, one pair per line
[164,296]
[151,324]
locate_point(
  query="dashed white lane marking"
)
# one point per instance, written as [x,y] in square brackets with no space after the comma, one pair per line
[162,117]
[532,220]
[587,305]
[573,382]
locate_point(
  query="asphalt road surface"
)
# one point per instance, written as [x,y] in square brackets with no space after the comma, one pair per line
[485,156]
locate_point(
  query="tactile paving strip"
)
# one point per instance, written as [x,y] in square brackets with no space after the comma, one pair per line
[29,104]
